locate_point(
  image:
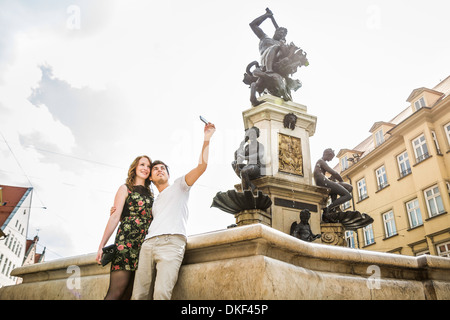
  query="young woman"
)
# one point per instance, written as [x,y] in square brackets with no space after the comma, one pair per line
[134,202]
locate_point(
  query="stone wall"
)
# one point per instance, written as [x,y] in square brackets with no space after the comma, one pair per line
[255,262]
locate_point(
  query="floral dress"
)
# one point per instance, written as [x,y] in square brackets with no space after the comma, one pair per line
[134,223]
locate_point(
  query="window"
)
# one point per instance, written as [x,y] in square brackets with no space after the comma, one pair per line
[414,214]
[9,268]
[421,253]
[350,239]
[4,266]
[368,235]
[362,190]
[444,249]
[448,187]
[379,139]
[420,148]
[346,205]
[11,238]
[7,238]
[419,104]
[389,224]
[447,132]
[434,201]
[381,178]
[344,163]
[436,143]
[403,164]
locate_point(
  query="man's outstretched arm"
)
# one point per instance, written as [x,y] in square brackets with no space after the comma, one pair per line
[195,173]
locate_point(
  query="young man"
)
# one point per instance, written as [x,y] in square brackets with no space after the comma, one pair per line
[163,250]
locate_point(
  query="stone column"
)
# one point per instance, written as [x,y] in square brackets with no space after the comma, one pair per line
[285,128]
[333,234]
[253,216]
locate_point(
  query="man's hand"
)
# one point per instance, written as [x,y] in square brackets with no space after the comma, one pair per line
[269,12]
[195,173]
[209,131]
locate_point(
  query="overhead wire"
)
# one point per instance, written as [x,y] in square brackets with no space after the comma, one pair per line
[21,168]
[29,178]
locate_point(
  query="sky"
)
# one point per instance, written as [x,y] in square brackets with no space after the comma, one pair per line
[86,86]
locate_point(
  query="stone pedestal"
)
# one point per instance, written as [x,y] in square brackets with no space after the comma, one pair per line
[287,150]
[288,199]
[333,234]
[287,166]
[253,216]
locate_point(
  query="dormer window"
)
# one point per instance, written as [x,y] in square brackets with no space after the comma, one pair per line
[379,138]
[344,163]
[379,130]
[347,158]
[419,104]
[423,97]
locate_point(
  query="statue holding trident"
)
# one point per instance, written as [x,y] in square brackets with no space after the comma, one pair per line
[277,62]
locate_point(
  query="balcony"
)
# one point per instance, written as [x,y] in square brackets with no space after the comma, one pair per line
[422,158]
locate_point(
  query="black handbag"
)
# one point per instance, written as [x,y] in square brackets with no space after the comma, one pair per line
[108,254]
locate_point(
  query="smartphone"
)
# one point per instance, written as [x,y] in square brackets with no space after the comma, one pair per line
[204,120]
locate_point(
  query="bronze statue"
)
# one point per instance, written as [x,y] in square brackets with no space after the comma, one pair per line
[302,230]
[248,159]
[248,165]
[277,62]
[336,184]
[290,121]
[268,47]
[234,202]
[351,220]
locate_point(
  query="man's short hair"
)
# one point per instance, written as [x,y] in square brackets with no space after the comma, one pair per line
[156,162]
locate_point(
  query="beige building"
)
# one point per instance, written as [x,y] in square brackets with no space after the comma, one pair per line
[401,177]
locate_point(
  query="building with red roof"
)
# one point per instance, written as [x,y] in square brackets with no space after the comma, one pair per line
[15,249]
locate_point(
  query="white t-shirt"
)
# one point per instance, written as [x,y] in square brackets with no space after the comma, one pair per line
[170,210]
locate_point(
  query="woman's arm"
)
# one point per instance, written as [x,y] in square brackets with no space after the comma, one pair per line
[113,220]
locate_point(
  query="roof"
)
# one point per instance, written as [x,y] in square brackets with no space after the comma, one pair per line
[367,145]
[39,257]
[378,124]
[30,245]
[443,86]
[343,151]
[12,196]
[418,91]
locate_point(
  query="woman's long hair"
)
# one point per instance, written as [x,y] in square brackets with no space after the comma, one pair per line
[132,175]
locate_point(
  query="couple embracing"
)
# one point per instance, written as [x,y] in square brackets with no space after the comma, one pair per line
[151,238]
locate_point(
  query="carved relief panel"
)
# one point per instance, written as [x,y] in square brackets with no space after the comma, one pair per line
[290,158]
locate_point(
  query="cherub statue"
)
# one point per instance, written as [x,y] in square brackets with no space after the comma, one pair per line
[302,230]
